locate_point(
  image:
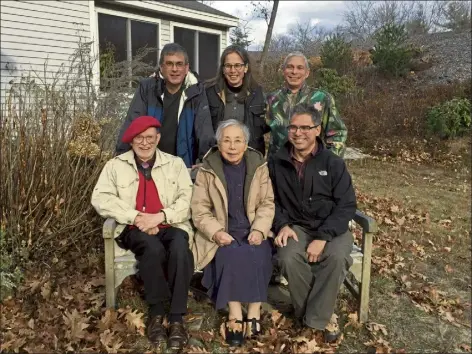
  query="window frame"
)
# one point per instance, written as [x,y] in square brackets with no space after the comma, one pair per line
[128,16]
[198,29]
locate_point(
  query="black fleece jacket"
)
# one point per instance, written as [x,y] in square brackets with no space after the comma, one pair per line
[326,201]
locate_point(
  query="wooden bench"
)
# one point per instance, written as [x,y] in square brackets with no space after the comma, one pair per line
[117,269]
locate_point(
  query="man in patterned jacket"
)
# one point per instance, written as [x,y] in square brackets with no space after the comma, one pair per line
[281,103]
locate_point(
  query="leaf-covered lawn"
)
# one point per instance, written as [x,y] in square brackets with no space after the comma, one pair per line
[420,292]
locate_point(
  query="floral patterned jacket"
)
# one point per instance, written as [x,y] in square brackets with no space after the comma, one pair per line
[280,105]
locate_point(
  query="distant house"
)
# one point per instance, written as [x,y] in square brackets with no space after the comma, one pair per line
[35,30]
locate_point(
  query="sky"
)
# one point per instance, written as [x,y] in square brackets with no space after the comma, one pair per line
[325,13]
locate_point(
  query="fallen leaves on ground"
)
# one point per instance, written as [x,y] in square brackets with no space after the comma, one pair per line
[388,258]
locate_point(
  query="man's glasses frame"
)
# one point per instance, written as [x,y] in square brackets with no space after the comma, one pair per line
[303,128]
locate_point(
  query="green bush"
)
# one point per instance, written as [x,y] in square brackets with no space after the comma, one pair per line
[391,54]
[329,80]
[10,275]
[450,119]
[336,54]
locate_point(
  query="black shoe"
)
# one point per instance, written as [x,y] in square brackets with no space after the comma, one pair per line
[330,336]
[177,336]
[155,330]
[234,336]
[251,331]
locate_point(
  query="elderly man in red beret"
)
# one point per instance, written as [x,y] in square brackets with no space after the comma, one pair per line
[148,193]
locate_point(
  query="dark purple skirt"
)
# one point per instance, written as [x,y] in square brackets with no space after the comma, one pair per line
[239,272]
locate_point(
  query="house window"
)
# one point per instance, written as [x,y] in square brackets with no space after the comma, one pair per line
[203,49]
[120,39]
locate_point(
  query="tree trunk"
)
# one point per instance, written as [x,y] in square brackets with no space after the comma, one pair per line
[273,14]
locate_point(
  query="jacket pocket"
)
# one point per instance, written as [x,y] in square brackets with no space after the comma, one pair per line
[125,188]
[258,123]
[319,208]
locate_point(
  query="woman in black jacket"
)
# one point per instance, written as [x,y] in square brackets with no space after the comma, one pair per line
[235,94]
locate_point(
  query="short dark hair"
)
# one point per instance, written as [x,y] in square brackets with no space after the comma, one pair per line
[170,49]
[310,109]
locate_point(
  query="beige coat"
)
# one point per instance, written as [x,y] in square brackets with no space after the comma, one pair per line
[114,195]
[210,202]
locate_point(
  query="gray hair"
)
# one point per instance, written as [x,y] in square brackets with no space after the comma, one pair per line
[229,123]
[295,54]
[310,109]
[173,48]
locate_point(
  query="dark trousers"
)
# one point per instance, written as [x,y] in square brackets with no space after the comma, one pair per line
[165,265]
[314,287]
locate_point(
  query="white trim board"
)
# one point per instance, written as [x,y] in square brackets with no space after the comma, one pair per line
[197,48]
[178,11]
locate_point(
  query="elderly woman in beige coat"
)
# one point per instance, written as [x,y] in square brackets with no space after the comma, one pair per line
[233,209]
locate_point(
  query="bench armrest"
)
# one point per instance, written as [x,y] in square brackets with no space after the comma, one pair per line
[109,227]
[366,222]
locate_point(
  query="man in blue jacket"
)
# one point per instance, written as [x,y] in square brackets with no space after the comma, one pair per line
[178,101]
[314,202]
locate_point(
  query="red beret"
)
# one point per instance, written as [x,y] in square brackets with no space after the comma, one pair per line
[139,125]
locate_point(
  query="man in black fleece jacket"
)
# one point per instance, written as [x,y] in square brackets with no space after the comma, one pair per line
[314,202]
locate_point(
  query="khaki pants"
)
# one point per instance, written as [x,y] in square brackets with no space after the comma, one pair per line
[314,287]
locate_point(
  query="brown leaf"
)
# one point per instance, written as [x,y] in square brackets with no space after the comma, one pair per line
[388,221]
[448,268]
[449,317]
[275,316]
[394,209]
[106,338]
[223,330]
[353,320]
[46,290]
[31,323]
[134,320]
[76,323]
[400,221]
[465,347]
[447,249]
[375,327]
[98,282]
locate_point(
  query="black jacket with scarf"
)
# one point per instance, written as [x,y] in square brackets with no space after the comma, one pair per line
[327,201]
[254,114]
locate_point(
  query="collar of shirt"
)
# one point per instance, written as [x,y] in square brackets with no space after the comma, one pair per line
[312,154]
[146,164]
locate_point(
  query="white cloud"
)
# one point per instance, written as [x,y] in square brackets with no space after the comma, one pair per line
[323,13]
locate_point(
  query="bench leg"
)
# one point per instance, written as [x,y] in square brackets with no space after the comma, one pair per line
[365,278]
[110,292]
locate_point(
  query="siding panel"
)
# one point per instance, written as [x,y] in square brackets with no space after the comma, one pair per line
[33,31]
[165,32]
[27,7]
[223,41]
[23,26]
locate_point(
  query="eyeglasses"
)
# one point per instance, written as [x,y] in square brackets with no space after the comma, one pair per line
[236,143]
[140,139]
[171,64]
[237,66]
[303,128]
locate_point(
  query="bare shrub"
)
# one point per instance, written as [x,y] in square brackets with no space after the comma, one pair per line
[396,111]
[56,134]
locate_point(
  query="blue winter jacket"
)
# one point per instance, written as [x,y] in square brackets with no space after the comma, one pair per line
[195,134]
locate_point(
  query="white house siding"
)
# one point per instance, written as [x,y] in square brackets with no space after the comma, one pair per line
[36,30]
[165,32]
